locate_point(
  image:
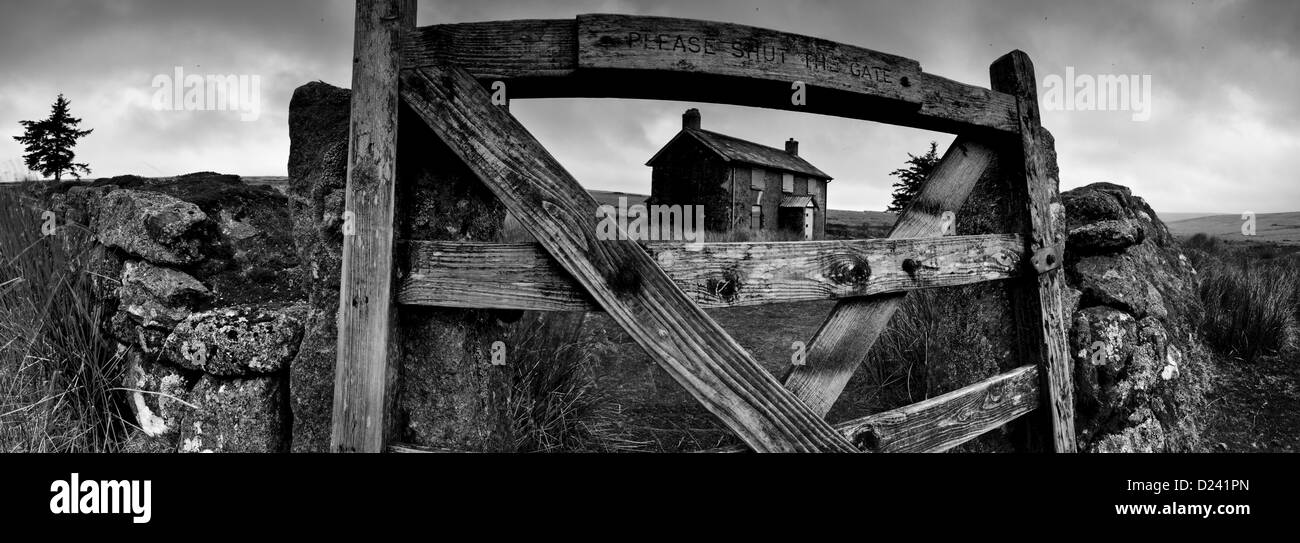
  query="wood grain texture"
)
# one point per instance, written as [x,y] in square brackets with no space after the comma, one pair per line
[499,49]
[405,448]
[620,56]
[619,275]
[524,276]
[842,342]
[948,420]
[625,42]
[943,422]
[368,355]
[1038,304]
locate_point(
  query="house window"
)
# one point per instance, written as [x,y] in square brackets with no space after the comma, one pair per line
[756,217]
[756,178]
[787,182]
[814,188]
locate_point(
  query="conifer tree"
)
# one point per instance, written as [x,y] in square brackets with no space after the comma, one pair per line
[912,177]
[48,143]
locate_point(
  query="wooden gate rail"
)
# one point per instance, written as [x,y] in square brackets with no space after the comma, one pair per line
[947,420]
[618,274]
[657,291]
[618,56]
[842,342]
[523,276]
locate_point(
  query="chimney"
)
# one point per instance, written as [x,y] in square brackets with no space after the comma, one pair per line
[691,119]
[792,147]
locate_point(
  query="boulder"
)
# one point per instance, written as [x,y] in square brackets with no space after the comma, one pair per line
[158,395]
[153,226]
[247,253]
[237,415]
[1103,339]
[157,295]
[236,341]
[1140,371]
[318,159]
[1096,204]
[1118,281]
[1106,236]
[151,301]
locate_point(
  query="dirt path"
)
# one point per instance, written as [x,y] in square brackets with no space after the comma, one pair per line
[1256,407]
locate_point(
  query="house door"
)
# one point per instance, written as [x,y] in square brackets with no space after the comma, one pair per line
[808,222]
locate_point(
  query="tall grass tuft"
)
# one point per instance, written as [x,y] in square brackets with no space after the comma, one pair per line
[58,374]
[897,369]
[555,405]
[1250,308]
[1250,296]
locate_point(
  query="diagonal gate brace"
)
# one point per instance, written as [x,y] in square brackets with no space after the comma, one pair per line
[619,275]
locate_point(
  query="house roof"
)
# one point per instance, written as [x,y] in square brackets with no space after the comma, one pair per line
[797,201]
[746,152]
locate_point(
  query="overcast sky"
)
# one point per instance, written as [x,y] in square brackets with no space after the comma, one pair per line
[1223,133]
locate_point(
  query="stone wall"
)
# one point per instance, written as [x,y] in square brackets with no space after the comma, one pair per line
[1140,369]
[202,284]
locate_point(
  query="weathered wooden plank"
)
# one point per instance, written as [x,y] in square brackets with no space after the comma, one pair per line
[668,44]
[943,422]
[948,420]
[631,42]
[368,354]
[403,448]
[523,276]
[620,56]
[842,342]
[618,274]
[499,49]
[1038,305]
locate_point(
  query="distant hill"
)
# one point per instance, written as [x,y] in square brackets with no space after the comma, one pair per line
[846,224]
[605,197]
[1182,216]
[1275,227]
[278,183]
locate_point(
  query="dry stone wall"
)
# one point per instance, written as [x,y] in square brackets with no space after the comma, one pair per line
[202,284]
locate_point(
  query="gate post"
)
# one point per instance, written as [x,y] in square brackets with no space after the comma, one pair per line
[365,382]
[1037,301]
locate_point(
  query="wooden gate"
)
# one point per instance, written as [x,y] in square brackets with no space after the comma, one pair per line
[656,292]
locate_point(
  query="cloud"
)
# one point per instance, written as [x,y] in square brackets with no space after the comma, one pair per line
[1223,134]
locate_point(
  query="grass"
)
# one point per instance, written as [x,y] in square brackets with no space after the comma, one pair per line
[58,375]
[555,405]
[1250,296]
[897,369]
[1283,228]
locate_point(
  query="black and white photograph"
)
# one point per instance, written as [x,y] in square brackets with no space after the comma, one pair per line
[1056,241]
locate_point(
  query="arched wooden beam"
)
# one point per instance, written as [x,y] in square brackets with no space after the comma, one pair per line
[661,58]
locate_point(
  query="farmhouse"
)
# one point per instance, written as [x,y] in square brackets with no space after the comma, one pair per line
[741,184]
